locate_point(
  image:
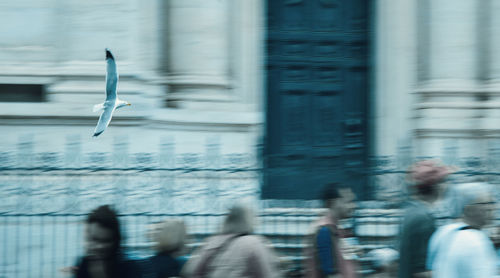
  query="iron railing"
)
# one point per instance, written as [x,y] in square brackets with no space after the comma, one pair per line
[44,198]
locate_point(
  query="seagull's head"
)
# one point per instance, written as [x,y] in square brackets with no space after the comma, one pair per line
[122,103]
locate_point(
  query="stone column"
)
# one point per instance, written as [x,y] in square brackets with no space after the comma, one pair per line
[494,41]
[453,42]
[450,70]
[394,75]
[247,30]
[198,50]
[29,34]
[395,66]
[146,47]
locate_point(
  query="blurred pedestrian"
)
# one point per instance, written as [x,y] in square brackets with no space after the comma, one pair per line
[235,253]
[329,252]
[169,237]
[418,221]
[461,249]
[104,256]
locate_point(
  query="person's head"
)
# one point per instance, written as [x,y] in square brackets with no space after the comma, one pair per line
[340,200]
[475,203]
[102,233]
[169,236]
[240,220]
[427,176]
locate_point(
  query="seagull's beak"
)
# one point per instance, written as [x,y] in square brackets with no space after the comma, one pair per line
[128,104]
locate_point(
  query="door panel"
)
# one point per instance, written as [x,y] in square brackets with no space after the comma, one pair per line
[317,90]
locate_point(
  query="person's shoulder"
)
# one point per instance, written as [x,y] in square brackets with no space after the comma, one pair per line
[471,243]
[445,231]
[251,238]
[215,241]
[253,245]
[131,266]
[80,267]
[130,263]
[473,238]
[416,220]
[325,228]
[82,262]
[417,213]
[253,241]
[416,208]
[449,227]
[162,259]
[181,260]
[326,231]
[166,264]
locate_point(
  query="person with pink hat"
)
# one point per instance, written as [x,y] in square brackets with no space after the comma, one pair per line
[418,222]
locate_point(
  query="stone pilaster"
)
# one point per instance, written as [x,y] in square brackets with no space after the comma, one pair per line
[395,59]
[453,42]
[449,102]
[198,52]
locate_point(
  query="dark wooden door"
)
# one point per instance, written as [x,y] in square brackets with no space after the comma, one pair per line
[317,94]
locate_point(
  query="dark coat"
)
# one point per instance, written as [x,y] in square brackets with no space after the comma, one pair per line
[120,268]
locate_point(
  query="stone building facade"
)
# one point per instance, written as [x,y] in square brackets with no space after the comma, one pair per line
[191,69]
[194,72]
[436,71]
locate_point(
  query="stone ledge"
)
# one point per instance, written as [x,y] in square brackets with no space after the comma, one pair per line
[25,110]
[458,105]
[187,116]
[156,118]
[460,133]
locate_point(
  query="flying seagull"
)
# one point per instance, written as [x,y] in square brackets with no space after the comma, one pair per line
[112,102]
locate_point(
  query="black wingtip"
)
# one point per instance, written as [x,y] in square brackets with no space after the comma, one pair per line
[97,134]
[108,54]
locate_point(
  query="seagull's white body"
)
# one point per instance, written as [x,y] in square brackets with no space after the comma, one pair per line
[112,102]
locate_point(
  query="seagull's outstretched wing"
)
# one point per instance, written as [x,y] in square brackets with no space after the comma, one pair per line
[104,120]
[111,76]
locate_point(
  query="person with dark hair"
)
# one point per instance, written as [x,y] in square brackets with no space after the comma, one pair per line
[418,221]
[104,257]
[328,254]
